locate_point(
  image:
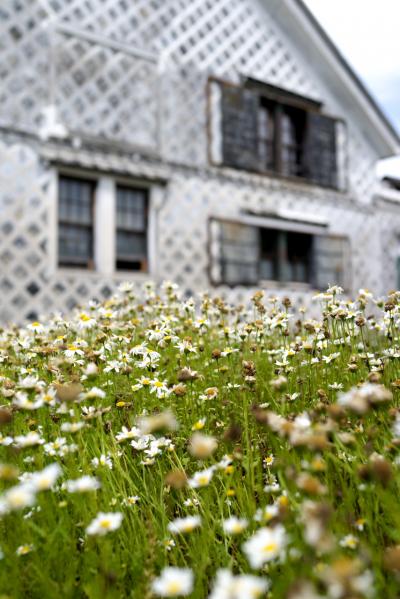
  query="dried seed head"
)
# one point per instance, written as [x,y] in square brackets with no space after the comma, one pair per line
[176,479]
[5,416]
[310,484]
[249,368]
[374,377]
[391,558]
[179,390]
[216,354]
[382,470]
[69,391]
[202,446]
[233,433]
[186,374]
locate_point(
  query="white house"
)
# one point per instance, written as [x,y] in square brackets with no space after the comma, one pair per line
[221,144]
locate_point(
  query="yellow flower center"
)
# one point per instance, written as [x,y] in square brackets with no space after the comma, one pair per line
[270,547]
[173,587]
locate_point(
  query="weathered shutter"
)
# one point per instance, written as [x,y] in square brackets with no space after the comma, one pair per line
[239,127]
[331,262]
[234,253]
[320,152]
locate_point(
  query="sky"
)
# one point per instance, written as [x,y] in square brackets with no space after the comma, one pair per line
[367,32]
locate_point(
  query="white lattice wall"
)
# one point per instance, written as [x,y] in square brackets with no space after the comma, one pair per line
[28,285]
[101,91]
[134,74]
[107,91]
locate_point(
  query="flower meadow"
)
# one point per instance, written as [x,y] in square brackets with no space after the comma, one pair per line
[157,446]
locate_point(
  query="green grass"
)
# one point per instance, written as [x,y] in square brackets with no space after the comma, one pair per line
[277,366]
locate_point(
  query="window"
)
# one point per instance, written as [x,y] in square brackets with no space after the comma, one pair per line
[75,222]
[266,135]
[267,129]
[131,233]
[292,124]
[285,256]
[239,253]
[244,254]
[88,210]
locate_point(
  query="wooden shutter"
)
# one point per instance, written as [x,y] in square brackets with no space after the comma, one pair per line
[320,152]
[239,127]
[331,262]
[234,253]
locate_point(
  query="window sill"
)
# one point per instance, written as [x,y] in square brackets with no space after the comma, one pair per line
[291,286]
[64,271]
[132,274]
[284,178]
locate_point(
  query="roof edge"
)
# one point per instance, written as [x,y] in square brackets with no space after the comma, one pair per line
[355,80]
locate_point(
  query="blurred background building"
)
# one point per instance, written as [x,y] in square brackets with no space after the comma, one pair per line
[221,144]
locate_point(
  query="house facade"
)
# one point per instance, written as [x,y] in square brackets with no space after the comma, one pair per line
[220,144]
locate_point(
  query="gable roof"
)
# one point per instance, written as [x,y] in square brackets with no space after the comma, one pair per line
[307,30]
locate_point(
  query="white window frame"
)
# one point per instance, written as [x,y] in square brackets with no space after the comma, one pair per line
[104,225]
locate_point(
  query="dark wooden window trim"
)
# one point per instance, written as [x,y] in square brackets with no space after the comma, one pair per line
[281,98]
[310,285]
[133,262]
[70,261]
[281,95]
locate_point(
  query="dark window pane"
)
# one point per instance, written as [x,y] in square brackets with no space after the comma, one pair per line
[266,136]
[329,256]
[131,208]
[74,244]
[239,253]
[75,201]
[248,254]
[293,139]
[75,215]
[269,254]
[285,256]
[130,244]
[131,234]
[131,265]
[237,273]
[299,257]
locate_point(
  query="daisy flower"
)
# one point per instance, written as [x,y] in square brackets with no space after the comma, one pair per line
[47,478]
[82,485]
[36,327]
[183,525]
[173,582]
[104,523]
[24,550]
[201,479]
[17,498]
[243,586]
[234,525]
[132,500]
[349,541]
[265,545]
[103,460]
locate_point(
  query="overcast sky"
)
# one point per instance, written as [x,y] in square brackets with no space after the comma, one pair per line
[367,32]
